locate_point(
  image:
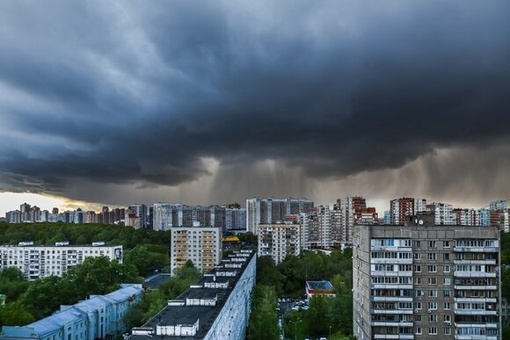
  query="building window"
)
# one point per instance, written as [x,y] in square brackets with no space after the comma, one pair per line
[446,268]
[433,293]
[432,330]
[446,306]
[432,268]
[446,256]
[432,305]
[432,244]
[447,281]
[432,317]
[447,331]
[432,281]
[447,318]
[447,293]
[446,244]
[417,268]
[432,256]
[417,305]
[418,330]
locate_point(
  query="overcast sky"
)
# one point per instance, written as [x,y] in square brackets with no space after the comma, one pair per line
[212,102]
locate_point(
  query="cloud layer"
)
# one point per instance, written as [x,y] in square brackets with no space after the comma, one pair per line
[254,98]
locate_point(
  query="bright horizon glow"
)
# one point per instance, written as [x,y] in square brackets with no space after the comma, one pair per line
[10,201]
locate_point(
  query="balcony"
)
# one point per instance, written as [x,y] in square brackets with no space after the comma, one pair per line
[476,325]
[391,311]
[391,299]
[481,262]
[475,299]
[392,261]
[393,336]
[475,312]
[473,274]
[472,287]
[476,249]
[392,323]
[475,337]
[390,286]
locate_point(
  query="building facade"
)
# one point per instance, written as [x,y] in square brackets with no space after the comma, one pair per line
[278,240]
[42,261]
[201,245]
[405,206]
[273,210]
[100,317]
[426,281]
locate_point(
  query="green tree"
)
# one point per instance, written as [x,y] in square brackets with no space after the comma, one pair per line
[146,260]
[263,321]
[12,283]
[15,314]
[99,275]
[317,316]
[43,296]
[268,274]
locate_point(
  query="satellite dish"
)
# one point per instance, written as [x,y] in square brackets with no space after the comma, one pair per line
[420,222]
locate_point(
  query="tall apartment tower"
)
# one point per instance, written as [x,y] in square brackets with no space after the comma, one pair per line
[201,245]
[273,210]
[354,209]
[405,206]
[316,228]
[426,281]
[443,213]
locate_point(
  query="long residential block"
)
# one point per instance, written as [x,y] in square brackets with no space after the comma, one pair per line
[42,261]
[217,307]
[100,317]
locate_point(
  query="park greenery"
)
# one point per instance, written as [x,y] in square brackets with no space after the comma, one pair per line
[329,317]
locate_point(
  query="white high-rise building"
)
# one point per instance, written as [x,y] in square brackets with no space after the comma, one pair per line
[162,216]
[278,240]
[443,212]
[201,245]
[42,261]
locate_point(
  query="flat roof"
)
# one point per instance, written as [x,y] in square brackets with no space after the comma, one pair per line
[189,314]
[323,285]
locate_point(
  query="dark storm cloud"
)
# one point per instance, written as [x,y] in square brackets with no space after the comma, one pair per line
[128,93]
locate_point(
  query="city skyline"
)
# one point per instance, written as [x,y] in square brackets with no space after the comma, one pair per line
[386,207]
[107,103]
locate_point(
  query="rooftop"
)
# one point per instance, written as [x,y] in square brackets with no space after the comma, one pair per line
[191,315]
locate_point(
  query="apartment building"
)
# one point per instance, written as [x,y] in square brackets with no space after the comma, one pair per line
[355,210]
[273,210]
[100,317]
[278,240]
[201,245]
[426,281]
[42,261]
[216,307]
[405,206]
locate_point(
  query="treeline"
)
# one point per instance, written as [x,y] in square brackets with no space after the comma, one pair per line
[79,234]
[324,316]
